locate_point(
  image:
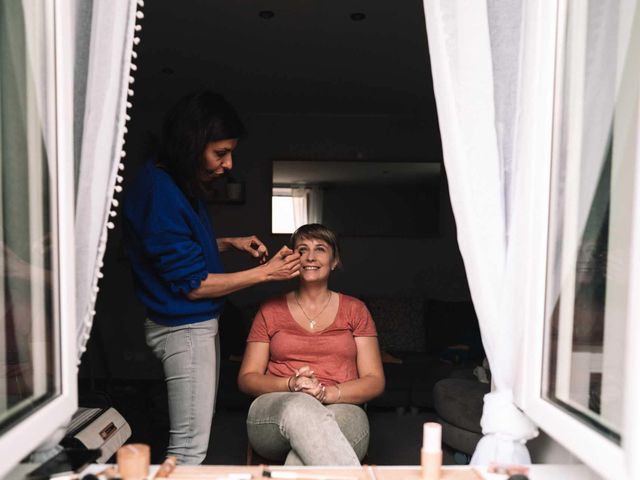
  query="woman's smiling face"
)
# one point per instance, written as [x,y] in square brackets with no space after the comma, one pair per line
[316,257]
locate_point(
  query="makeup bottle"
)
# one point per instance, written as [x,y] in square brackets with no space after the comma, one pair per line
[431,453]
[133,461]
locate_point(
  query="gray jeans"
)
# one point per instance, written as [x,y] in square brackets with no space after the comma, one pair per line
[297,428]
[190,360]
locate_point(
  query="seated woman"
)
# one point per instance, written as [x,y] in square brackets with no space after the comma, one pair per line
[312,358]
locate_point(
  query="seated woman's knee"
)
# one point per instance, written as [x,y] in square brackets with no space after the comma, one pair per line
[300,407]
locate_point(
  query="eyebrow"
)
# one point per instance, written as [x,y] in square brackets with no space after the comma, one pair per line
[303,244]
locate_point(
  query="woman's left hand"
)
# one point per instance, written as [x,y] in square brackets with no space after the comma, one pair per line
[307,382]
[251,245]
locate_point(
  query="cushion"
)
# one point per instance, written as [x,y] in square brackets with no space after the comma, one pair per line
[399,322]
[459,402]
[459,439]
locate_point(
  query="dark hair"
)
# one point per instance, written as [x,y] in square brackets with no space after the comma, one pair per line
[188,127]
[318,231]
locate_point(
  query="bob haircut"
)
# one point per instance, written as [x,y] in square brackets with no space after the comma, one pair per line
[188,127]
[316,231]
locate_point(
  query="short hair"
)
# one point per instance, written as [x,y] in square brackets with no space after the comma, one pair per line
[318,231]
[189,126]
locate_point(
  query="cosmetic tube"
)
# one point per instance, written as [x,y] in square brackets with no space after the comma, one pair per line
[431,453]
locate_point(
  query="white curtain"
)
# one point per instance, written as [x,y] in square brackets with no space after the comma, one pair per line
[476,62]
[103,79]
[307,205]
[315,198]
[599,95]
[300,209]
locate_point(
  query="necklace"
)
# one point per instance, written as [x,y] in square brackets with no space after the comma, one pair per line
[312,321]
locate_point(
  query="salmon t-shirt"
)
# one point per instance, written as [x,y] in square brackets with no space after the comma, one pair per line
[330,353]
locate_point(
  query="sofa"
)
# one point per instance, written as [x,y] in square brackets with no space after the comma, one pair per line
[422,341]
[458,403]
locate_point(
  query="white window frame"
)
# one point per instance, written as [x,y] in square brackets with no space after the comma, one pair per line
[597,451]
[25,436]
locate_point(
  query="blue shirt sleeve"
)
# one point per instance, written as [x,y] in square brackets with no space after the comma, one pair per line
[167,239]
[177,259]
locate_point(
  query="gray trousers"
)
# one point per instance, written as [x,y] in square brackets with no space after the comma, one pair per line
[297,428]
[190,360]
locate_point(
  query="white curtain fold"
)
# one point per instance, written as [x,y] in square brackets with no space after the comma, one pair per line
[108,83]
[599,97]
[476,60]
[299,196]
[315,199]
[307,205]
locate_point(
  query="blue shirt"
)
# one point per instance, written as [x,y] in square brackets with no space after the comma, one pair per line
[172,248]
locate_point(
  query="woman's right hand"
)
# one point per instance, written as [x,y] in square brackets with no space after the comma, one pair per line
[284,265]
[305,381]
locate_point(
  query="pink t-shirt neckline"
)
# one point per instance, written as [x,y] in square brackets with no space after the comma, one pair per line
[315,332]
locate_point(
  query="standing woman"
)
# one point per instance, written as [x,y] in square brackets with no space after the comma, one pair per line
[175,259]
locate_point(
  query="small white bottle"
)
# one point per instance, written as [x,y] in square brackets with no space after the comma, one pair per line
[431,453]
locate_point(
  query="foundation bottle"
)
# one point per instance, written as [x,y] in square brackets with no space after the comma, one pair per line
[431,453]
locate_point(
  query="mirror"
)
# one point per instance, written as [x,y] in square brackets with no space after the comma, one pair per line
[357,198]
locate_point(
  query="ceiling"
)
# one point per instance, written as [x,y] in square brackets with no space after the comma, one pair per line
[309,58]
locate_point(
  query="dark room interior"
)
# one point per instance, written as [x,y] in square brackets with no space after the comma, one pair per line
[329,83]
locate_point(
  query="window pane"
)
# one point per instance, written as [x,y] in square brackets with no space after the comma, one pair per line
[29,369]
[282,214]
[589,236]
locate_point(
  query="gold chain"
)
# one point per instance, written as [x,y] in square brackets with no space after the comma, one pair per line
[312,321]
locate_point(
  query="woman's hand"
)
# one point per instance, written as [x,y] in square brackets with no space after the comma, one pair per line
[303,380]
[284,265]
[306,382]
[251,245]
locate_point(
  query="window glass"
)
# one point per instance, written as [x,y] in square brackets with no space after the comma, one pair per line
[283,211]
[29,366]
[591,194]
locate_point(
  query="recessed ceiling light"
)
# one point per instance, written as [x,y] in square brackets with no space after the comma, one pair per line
[357,16]
[266,14]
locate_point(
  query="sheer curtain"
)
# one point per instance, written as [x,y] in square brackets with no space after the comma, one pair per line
[103,79]
[307,205]
[315,198]
[476,60]
[299,196]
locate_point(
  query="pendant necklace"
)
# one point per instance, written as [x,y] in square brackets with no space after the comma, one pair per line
[312,321]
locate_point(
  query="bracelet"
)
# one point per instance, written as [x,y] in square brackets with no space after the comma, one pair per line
[339,393]
[289,383]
